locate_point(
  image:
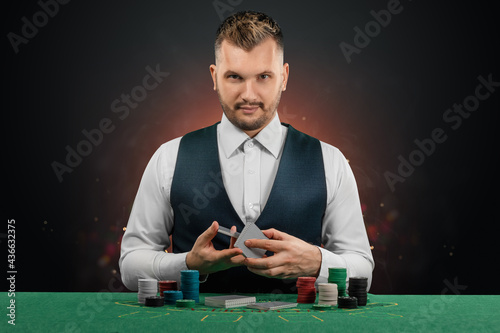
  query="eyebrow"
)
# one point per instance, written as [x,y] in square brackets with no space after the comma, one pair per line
[230,72]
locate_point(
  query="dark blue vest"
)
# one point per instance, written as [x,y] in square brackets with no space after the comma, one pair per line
[296,204]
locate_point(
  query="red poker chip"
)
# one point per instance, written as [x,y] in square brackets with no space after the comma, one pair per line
[306,290]
[167,285]
[306,296]
[306,301]
[167,282]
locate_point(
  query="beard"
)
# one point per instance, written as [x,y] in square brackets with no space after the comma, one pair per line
[245,123]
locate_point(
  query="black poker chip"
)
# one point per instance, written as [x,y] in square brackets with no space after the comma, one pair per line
[358,281]
[347,302]
[154,301]
[357,288]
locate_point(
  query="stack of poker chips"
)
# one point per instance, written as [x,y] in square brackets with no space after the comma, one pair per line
[306,292]
[171,296]
[147,288]
[190,285]
[167,285]
[357,288]
[154,301]
[339,277]
[346,302]
[328,293]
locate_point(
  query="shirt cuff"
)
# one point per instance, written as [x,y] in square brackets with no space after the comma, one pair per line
[168,266]
[328,259]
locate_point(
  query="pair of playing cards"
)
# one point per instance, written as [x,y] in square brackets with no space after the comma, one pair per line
[251,231]
[234,301]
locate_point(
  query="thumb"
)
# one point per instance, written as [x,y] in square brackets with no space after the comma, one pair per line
[209,234]
[276,234]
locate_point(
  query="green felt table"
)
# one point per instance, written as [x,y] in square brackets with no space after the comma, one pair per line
[120,312]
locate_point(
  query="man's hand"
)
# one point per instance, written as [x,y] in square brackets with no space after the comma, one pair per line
[206,259]
[292,256]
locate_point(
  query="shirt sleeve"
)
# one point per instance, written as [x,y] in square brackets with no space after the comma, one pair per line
[344,238]
[150,224]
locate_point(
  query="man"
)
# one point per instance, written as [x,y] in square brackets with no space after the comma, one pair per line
[249,168]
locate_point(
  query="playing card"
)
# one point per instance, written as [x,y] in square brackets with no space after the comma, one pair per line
[251,231]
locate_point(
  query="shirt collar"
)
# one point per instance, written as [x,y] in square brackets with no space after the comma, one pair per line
[231,137]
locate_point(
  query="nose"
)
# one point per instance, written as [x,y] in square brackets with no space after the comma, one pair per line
[249,93]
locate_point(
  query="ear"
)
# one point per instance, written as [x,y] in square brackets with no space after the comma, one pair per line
[213,73]
[286,69]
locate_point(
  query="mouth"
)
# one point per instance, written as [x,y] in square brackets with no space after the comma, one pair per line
[248,109]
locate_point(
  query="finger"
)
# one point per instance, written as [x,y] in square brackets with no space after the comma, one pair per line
[277,273]
[266,244]
[237,260]
[233,239]
[259,271]
[209,234]
[262,263]
[227,254]
[275,234]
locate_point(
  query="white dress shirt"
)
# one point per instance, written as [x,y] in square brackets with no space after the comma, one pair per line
[249,166]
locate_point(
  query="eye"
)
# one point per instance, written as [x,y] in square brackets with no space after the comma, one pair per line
[264,76]
[233,77]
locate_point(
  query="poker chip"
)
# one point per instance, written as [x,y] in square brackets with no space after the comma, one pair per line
[167,285]
[185,303]
[338,276]
[190,285]
[357,288]
[171,296]
[306,291]
[328,294]
[347,302]
[146,288]
[154,301]
[322,307]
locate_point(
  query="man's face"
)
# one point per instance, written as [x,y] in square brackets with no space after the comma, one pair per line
[249,84]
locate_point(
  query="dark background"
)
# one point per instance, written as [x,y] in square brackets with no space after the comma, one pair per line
[439,224]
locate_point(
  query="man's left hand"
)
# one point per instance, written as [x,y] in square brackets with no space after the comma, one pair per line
[292,256]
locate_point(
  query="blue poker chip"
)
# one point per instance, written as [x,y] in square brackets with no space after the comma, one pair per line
[171,296]
[190,284]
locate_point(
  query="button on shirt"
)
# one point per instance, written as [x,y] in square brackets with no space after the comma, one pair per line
[249,166]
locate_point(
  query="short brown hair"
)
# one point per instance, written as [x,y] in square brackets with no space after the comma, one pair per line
[247,29]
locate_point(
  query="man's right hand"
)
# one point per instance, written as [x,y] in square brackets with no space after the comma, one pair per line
[206,259]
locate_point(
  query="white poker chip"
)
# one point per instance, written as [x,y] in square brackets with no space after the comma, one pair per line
[328,293]
[146,288]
